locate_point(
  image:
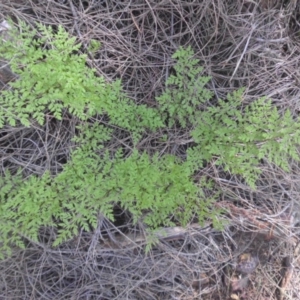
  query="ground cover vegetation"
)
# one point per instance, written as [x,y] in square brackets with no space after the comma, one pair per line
[154,189]
[98,158]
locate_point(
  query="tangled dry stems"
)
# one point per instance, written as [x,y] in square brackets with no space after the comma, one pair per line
[249,44]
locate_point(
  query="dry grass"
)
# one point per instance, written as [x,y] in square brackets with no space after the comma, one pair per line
[255,44]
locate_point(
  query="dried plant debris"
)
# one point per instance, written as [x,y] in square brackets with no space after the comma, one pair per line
[238,284]
[286,272]
[241,44]
[247,263]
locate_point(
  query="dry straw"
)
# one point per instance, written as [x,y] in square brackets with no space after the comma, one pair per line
[252,44]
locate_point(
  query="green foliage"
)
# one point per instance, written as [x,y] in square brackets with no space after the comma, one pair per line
[156,191]
[185,90]
[25,206]
[238,139]
[94,46]
[234,136]
[53,76]
[155,188]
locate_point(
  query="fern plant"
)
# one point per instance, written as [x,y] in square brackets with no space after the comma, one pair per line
[240,138]
[25,206]
[53,76]
[156,191]
[185,90]
[230,134]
